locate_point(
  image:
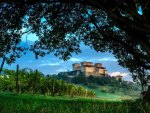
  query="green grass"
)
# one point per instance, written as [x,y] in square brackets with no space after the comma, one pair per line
[25,103]
[116,96]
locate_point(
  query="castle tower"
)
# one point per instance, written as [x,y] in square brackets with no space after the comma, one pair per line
[119,77]
[105,72]
[86,63]
[87,68]
[76,66]
[98,65]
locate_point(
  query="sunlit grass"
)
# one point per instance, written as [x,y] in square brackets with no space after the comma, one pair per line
[116,96]
[25,103]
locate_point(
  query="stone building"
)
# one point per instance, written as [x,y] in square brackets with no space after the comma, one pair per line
[119,77]
[86,69]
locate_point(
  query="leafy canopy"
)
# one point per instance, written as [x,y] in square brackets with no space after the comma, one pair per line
[61,25]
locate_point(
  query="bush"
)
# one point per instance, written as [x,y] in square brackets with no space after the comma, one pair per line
[105,89]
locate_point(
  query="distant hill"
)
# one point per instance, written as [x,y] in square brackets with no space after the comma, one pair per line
[106,87]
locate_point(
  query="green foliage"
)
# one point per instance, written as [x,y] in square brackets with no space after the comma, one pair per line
[62,25]
[105,90]
[94,82]
[36,83]
[107,86]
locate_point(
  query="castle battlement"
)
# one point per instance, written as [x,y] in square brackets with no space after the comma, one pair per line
[89,68]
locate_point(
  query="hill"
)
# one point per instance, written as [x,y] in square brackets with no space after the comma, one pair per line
[106,87]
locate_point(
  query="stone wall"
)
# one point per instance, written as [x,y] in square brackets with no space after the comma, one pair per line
[88,68]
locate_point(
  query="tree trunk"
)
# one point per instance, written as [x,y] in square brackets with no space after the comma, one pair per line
[146,94]
[2,64]
[53,88]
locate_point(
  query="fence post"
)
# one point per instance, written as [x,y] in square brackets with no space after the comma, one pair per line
[34,83]
[17,78]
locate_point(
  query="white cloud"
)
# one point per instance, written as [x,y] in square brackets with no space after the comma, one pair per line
[126,76]
[107,59]
[75,59]
[50,64]
[118,73]
[61,70]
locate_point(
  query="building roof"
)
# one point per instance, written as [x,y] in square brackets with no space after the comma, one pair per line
[88,66]
[119,76]
[100,67]
[76,64]
[99,63]
[86,63]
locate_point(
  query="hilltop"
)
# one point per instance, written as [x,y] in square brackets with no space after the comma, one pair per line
[95,77]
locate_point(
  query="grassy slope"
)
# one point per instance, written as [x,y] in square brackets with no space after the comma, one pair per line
[11,103]
[117,95]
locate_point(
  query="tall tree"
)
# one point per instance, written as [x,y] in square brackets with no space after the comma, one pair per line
[121,27]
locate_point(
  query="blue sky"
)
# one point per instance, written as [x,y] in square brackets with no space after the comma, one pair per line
[53,65]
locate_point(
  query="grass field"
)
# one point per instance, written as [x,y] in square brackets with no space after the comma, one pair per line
[116,96]
[25,103]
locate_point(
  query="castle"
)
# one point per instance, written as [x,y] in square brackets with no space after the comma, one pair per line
[87,69]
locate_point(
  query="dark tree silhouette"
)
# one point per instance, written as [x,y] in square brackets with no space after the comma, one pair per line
[121,27]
